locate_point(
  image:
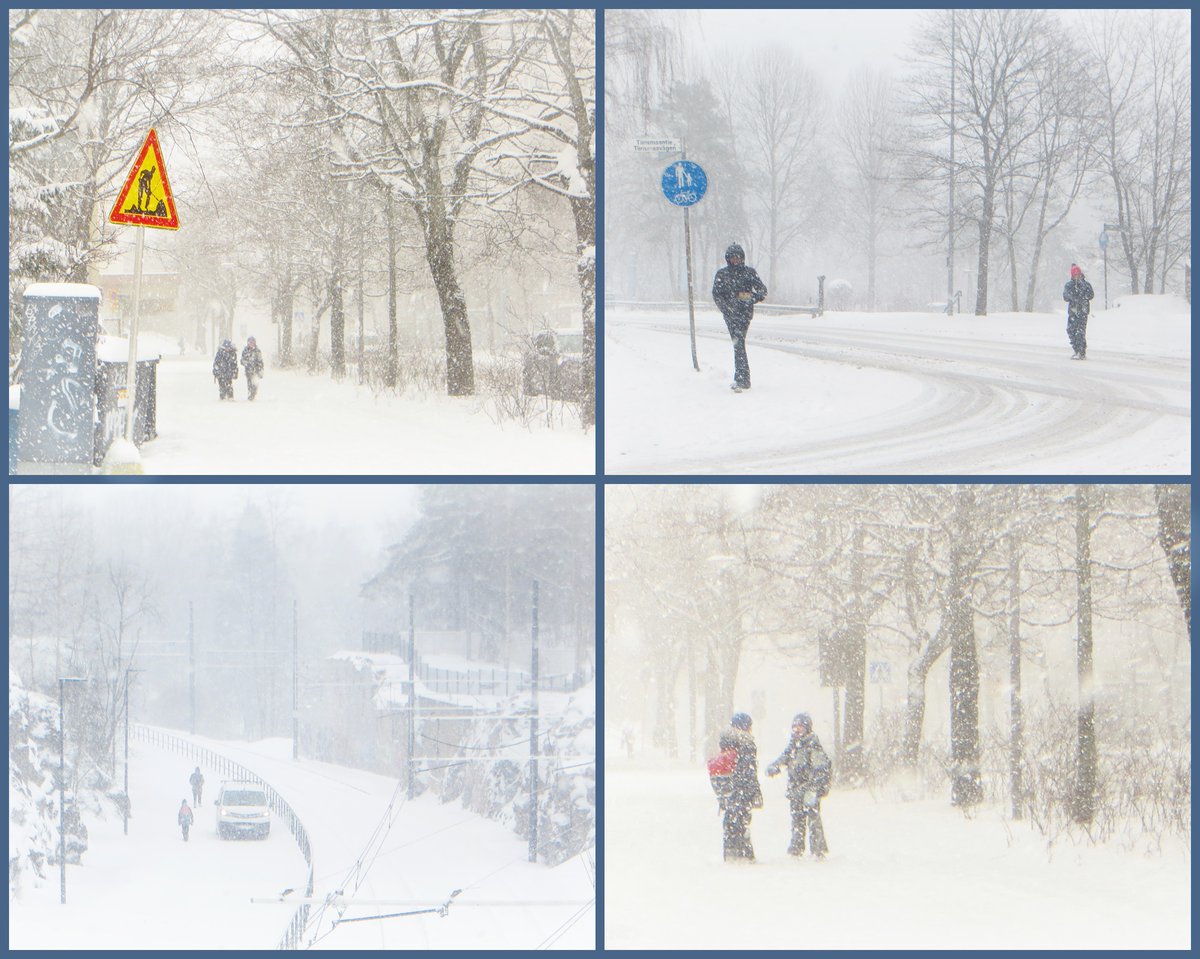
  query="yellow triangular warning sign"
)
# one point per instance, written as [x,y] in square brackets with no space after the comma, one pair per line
[146,198]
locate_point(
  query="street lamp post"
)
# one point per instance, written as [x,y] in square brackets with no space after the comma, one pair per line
[62,792]
[125,805]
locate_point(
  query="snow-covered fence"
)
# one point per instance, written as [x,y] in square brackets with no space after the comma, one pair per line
[280,808]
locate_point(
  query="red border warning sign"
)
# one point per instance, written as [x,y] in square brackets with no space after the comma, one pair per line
[146,198]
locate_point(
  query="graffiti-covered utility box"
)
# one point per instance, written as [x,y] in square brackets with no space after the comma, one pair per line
[56,429]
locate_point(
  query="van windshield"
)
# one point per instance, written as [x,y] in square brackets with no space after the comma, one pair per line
[243,797]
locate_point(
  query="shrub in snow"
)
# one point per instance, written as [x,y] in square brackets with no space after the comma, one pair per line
[840,294]
[567,779]
[33,742]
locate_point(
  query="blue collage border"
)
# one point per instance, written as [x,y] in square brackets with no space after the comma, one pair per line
[600,478]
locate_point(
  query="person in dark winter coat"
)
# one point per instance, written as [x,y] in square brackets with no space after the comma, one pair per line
[197,781]
[736,288]
[1078,293]
[225,367]
[252,363]
[743,793]
[809,773]
[185,819]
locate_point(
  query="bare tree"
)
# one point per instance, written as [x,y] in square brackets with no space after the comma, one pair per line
[868,129]
[1142,75]
[85,86]
[997,60]
[779,115]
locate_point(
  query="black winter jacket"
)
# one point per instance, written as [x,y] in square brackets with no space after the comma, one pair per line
[252,360]
[744,788]
[731,281]
[1078,293]
[225,363]
[807,764]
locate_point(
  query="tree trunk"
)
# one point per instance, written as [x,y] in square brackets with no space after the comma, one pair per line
[286,305]
[1083,800]
[985,241]
[853,641]
[1014,296]
[337,327]
[966,788]
[439,253]
[1039,240]
[584,210]
[1175,538]
[393,357]
[914,710]
[1016,718]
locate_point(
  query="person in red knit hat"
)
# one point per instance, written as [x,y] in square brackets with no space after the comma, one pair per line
[1078,293]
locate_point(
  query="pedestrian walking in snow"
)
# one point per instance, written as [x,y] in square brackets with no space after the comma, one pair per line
[809,774]
[1078,293]
[185,819]
[736,288]
[197,781]
[225,367]
[742,793]
[252,363]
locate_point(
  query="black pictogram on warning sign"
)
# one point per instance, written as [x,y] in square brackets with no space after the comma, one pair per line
[146,198]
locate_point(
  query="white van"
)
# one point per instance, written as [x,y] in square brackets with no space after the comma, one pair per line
[242,810]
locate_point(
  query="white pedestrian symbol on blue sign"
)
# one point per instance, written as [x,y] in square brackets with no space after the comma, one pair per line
[684,183]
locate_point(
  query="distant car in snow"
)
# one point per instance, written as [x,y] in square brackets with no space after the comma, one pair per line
[242,810]
[553,365]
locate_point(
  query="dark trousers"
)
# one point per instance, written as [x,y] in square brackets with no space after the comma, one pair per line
[737,832]
[252,384]
[185,826]
[226,386]
[196,794]
[1077,331]
[807,818]
[738,328]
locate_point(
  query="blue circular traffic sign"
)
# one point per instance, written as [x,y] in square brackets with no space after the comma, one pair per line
[684,183]
[1103,241]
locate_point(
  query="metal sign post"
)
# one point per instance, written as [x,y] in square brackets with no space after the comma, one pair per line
[145,200]
[1104,247]
[131,372]
[684,184]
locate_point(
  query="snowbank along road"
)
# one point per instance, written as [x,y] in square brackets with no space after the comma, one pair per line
[903,394]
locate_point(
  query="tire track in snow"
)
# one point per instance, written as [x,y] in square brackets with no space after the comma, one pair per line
[989,412]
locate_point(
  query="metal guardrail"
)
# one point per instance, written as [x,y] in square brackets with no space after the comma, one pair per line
[294,934]
[771,309]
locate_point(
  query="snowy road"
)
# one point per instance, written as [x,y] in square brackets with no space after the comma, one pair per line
[901,394]
[312,425]
[149,890]
[900,875]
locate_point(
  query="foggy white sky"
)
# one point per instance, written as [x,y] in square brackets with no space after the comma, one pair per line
[375,511]
[834,43]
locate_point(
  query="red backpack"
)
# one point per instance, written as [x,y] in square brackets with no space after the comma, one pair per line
[720,770]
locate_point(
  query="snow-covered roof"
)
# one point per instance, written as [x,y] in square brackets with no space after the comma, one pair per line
[79,291]
[115,349]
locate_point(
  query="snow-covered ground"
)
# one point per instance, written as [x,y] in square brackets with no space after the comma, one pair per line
[900,875]
[902,394]
[150,890]
[301,424]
